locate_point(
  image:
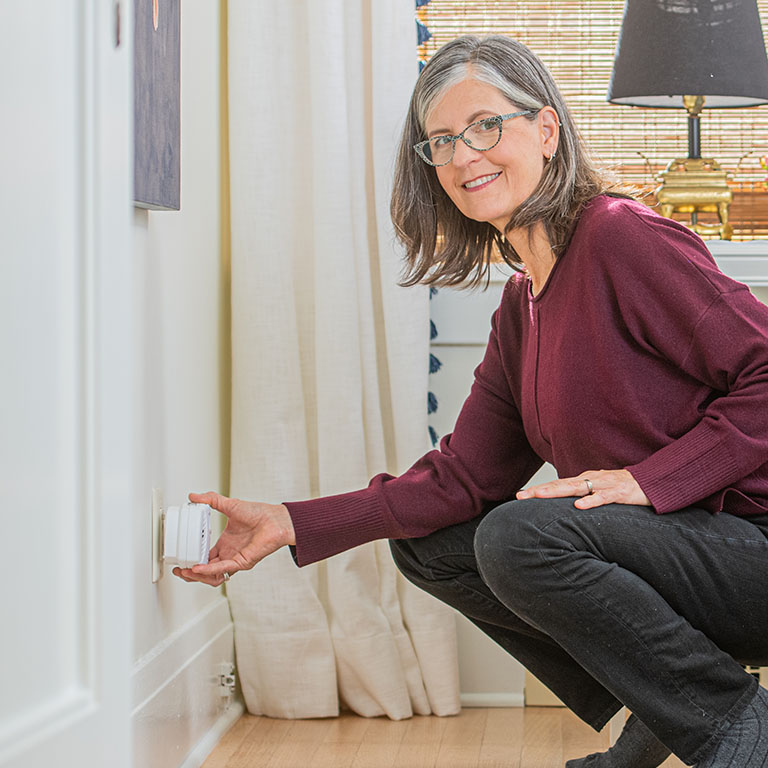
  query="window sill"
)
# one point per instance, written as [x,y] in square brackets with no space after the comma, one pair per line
[745,261]
[461,316]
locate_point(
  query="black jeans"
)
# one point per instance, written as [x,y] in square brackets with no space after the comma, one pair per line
[614,605]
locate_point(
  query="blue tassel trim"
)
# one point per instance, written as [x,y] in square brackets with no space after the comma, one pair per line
[434,363]
[422,33]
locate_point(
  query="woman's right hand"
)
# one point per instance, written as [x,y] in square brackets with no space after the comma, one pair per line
[253,531]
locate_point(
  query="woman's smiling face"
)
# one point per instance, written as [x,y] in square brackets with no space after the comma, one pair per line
[489,186]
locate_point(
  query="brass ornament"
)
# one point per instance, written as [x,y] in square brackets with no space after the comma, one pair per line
[694,185]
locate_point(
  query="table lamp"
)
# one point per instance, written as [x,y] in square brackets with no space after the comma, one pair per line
[691,54]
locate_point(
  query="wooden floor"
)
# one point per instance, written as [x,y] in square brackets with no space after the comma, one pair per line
[530,737]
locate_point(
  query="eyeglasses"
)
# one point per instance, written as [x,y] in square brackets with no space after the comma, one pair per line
[483,135]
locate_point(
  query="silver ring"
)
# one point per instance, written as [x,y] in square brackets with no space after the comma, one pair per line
[590,487]
[226,576]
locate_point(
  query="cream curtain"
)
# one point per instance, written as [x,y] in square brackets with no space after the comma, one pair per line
[329,356]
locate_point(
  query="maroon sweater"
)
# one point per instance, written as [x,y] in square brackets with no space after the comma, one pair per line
[637,353]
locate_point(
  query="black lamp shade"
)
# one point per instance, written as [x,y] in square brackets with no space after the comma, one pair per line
[671,48]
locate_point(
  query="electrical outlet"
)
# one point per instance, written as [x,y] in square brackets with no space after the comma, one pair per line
[157,535]
[227,679]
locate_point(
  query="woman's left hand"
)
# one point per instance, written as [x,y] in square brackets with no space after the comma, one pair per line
[602,486]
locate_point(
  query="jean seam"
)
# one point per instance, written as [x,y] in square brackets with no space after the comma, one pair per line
[425,574]
[724,725]
[655,523]
[606,716]
[427,560]
[597,723]
[717,721]
[495,605]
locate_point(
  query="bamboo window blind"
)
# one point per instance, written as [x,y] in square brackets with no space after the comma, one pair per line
[576,39]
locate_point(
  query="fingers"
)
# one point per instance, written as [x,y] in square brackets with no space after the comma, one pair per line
[215,500]
[593,493]
[592,500]
[190,576]
[568,486]
[217,569]
[595,488]
[203,498]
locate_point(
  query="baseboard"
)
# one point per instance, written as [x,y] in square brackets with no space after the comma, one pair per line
[179,710]
[492,700]
[208,743]
[471,700]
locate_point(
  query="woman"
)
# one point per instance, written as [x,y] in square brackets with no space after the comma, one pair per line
[620,354]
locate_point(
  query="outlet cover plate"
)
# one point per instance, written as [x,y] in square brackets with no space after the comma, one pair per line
[157,535]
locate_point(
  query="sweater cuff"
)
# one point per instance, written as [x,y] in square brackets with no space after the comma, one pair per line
[687,470]
[333,524]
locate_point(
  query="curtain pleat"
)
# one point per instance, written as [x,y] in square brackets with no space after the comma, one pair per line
[330,357]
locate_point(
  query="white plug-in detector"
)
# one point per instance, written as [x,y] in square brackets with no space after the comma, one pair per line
[187,535]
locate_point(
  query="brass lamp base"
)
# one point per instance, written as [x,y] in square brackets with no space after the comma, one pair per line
[696,185]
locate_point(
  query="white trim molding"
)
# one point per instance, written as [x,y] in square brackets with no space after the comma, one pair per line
[510,699]
[746,261]
[179,708]
[462,316]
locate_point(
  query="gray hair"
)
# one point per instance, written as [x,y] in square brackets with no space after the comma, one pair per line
[444,247]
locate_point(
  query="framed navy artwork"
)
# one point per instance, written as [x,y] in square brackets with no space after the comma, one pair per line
[157,104]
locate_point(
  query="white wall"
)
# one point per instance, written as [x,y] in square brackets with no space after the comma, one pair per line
[66,480]
[181,631]
[113,337]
